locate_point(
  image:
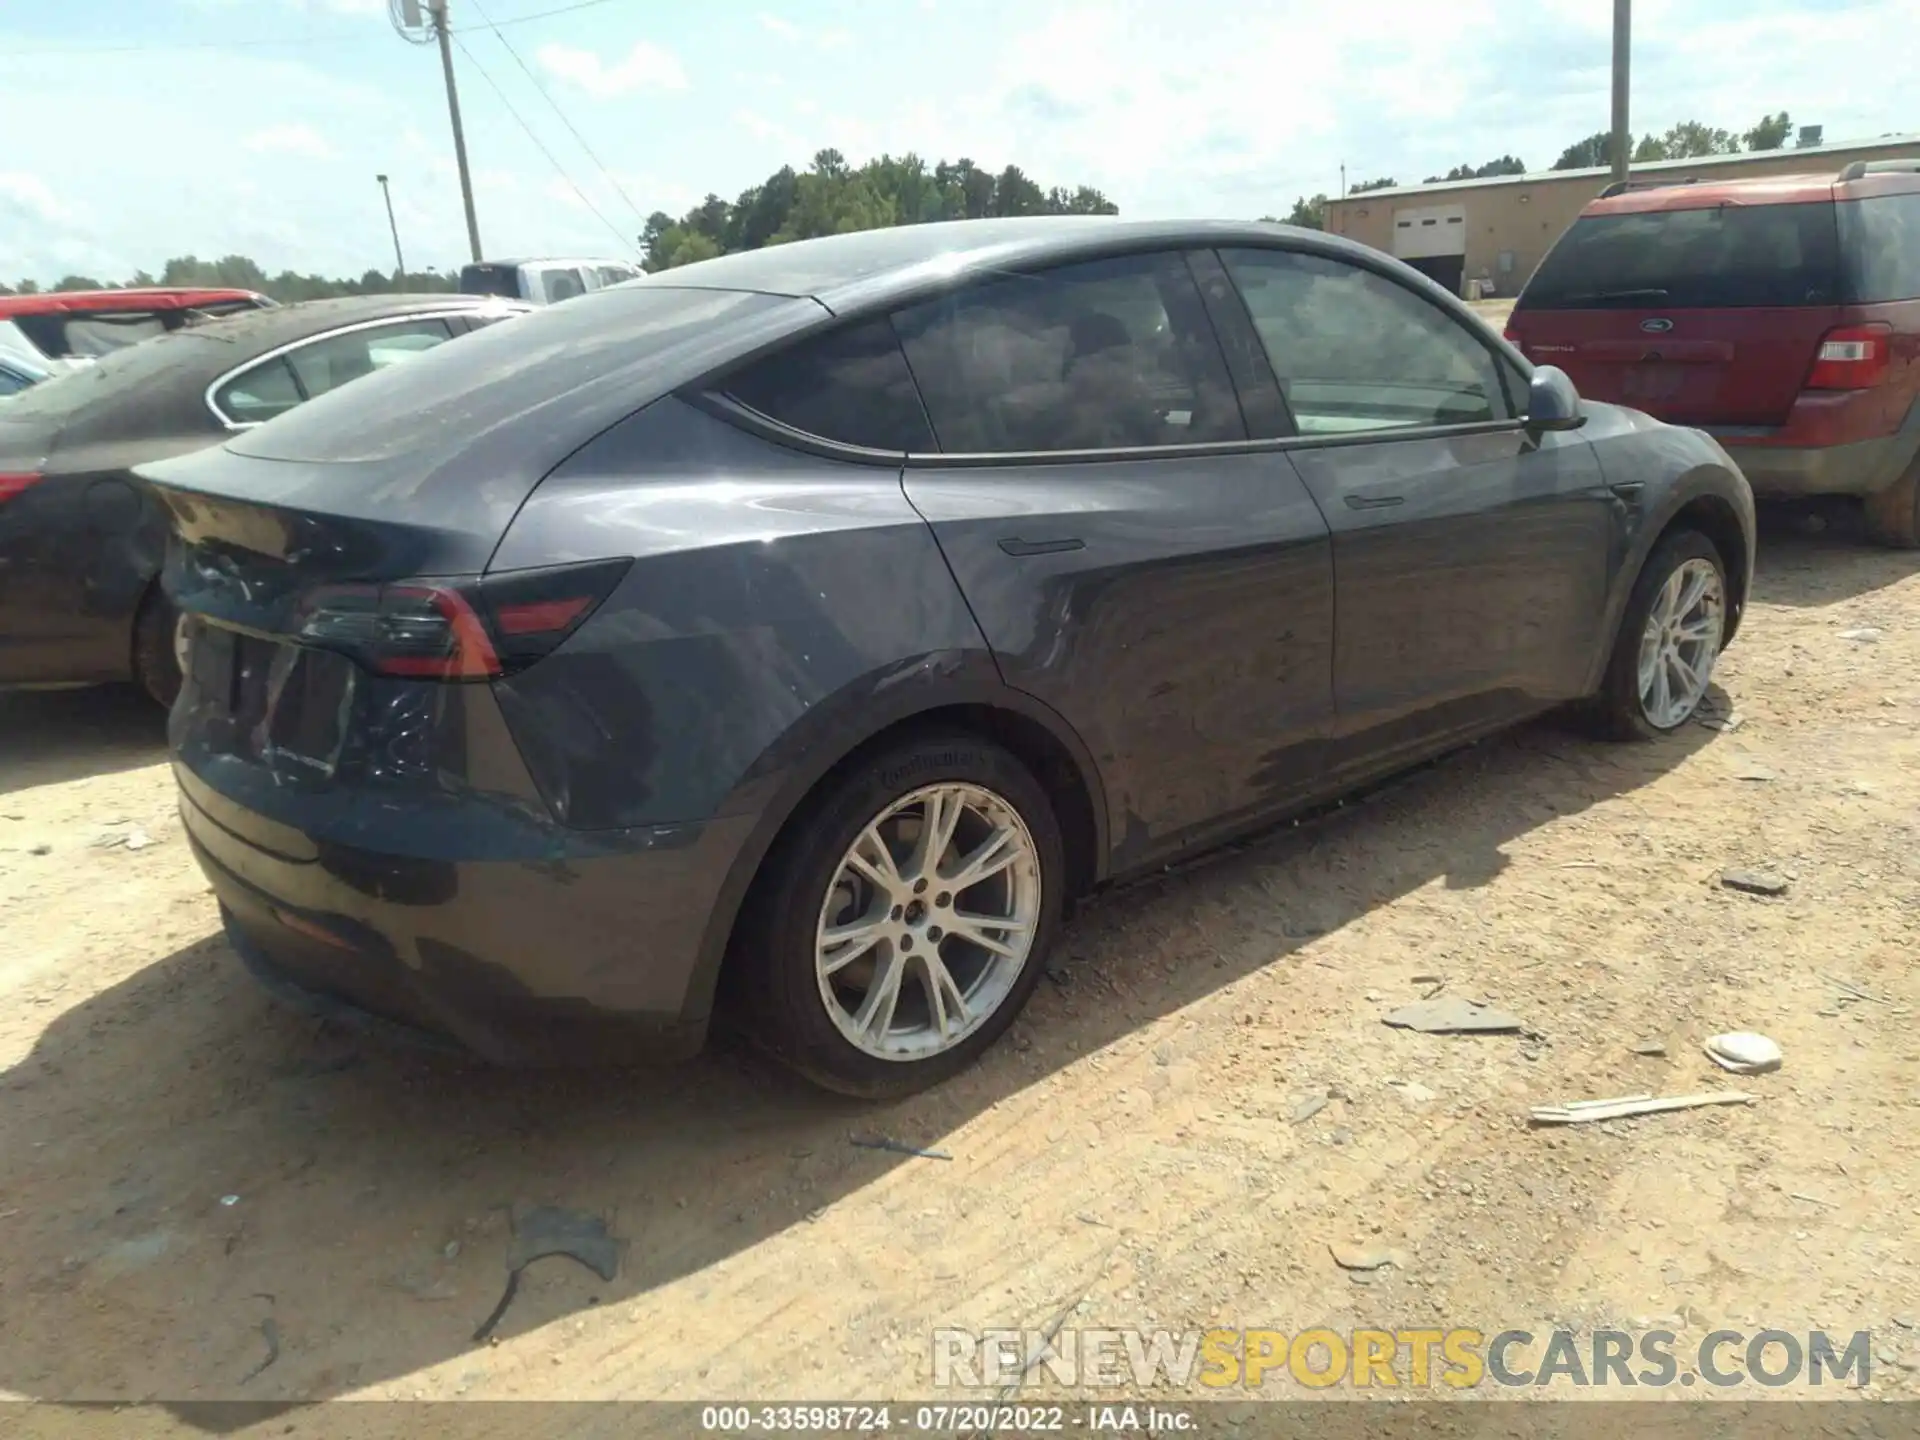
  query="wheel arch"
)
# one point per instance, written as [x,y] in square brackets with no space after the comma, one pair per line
[1699,502]
[1036,734]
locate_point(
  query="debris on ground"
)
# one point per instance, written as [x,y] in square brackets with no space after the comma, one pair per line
[1744,1053]
[229,1201]
[1754,770]
[1753,882]
[1849,992]
[1584,1112]
[1655,1048]
[1726,724]
[550,1230]
[1430,985]
[1452,1016]
[269,1332]
[1864,635]
[1309,1108]
[1367,1257]
[897,1147]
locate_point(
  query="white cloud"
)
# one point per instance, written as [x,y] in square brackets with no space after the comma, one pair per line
[647,67]
[302,140]
[785,29]
[19,190]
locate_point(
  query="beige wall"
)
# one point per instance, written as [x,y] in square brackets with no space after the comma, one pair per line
[1525,217]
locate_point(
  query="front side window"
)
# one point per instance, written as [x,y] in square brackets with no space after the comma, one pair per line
[851,386]
[1103,355]
[1355,351]
[275,386]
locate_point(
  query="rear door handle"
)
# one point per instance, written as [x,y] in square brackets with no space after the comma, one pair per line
[1042,547]
[1357,501]
[1628,489]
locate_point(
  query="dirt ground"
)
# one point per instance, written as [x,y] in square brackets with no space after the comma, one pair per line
[174,1148]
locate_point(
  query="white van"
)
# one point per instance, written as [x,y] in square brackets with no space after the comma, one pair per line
[544,282]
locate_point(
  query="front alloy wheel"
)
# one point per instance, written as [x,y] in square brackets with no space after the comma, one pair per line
[1680,642]
[928,922]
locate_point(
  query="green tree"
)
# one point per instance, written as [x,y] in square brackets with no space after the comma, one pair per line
[1505,165]
[1771,133]
[1308,214]
[1384,183]
[1588,154]
[1689,140]
[834,197]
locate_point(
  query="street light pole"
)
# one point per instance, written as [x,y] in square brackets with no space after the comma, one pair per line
[437,9]
[1622,45]
[399,260]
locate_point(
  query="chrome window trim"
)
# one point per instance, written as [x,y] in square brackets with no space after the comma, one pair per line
[512,307]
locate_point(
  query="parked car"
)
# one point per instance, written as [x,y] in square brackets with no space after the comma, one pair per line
[544,282]
[67,329]
[81,544]
[1780,314]
[811,625]
[17,374]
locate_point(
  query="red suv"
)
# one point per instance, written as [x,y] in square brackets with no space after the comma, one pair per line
[1780,315]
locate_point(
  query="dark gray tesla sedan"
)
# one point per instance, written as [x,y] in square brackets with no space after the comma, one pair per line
[809,627]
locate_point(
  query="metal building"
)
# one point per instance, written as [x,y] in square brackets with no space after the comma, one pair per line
[1486,236]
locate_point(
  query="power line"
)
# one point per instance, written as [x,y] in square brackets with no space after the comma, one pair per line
[547,95]
[168,47]
[539,144]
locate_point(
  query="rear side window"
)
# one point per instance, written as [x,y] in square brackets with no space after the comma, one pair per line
[271,389]
[89,335]
[1718,258]
[1109,354]
[851,386]
[1355,351]
[1882,242]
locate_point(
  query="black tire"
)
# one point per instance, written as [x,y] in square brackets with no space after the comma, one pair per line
[1617,708]
[156,664]
[1893,514]
[775,979]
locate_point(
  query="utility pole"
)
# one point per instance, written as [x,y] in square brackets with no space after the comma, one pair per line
[1622,45]
[399,260]
[437,10]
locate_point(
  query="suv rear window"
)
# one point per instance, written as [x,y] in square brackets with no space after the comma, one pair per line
[1717,258]
[1882,238]
[502,280]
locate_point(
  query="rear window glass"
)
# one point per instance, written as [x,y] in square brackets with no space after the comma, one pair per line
[637,341]
[852,386]
[501,280]
[1722,257]
[89,334]
[1882,237]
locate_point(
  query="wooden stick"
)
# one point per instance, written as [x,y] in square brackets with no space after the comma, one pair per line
[1583,1112]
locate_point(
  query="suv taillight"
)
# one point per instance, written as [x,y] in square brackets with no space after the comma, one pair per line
[12,484]
[457,630]
[1852,357]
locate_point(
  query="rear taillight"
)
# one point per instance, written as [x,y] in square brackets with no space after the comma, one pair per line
[1512,337]
[11,484]
[1852,357]
[456,630]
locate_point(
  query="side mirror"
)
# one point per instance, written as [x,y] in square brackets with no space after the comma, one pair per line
[1552,402]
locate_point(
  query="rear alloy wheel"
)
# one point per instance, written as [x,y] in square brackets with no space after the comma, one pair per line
[1893,514]
[1669,640]
[908,918]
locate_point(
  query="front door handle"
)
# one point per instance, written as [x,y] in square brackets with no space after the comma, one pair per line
[1628,489]
[1042,547]
[1358,501]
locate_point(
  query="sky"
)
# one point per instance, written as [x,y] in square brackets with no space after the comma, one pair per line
[135,130]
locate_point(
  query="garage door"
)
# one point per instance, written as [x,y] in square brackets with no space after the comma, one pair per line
[1430,230]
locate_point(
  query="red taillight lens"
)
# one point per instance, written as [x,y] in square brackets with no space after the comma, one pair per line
[466,630]
[419,631]
[1852,357]
[12,484]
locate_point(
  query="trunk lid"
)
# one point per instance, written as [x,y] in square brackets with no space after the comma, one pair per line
[1703,316]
